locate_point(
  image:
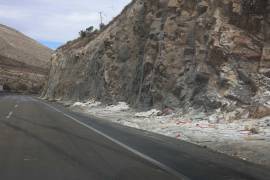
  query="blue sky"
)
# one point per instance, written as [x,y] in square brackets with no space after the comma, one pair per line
[54,22]
[51,44]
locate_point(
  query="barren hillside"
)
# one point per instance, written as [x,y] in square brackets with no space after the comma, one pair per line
[24,63]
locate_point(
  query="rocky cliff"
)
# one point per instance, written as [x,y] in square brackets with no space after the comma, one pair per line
[205,54]
[24,64]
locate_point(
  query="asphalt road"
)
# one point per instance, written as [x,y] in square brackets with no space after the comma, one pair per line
[44,141]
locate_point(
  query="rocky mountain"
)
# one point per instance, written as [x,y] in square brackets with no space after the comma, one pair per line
[24,63]
[172,53]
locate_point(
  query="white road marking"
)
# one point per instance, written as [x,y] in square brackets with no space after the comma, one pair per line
[30,159]
[9,115]
[144,156]
[16,106]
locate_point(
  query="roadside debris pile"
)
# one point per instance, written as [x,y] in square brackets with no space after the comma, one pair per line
[233,133]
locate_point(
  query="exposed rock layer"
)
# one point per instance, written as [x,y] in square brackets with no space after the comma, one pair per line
[24,64]
[177,53]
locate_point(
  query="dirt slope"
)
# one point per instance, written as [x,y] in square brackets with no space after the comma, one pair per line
[24,63]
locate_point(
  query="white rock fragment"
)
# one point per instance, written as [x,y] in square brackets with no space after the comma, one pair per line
[78,104]
[121,106]
[88,104]
[131,124]
[213,118]
[91,104]
[150,113]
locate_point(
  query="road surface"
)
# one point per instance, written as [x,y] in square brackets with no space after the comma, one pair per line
[44,141]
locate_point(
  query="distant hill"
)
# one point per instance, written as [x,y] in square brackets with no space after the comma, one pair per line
[24,63]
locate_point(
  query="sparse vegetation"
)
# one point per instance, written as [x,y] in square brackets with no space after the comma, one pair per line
[90,29]
[82,34]
[87,32]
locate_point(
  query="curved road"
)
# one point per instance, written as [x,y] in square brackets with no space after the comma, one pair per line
[44,141]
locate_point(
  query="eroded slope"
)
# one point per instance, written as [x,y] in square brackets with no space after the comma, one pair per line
[177,53]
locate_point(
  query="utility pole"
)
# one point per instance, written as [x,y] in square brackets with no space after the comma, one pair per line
[101,18]
[101,25]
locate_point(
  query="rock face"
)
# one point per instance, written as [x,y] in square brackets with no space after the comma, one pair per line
[24,64]
[171,53]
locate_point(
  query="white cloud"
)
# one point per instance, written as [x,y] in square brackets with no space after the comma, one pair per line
[57,20]
[14,14]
